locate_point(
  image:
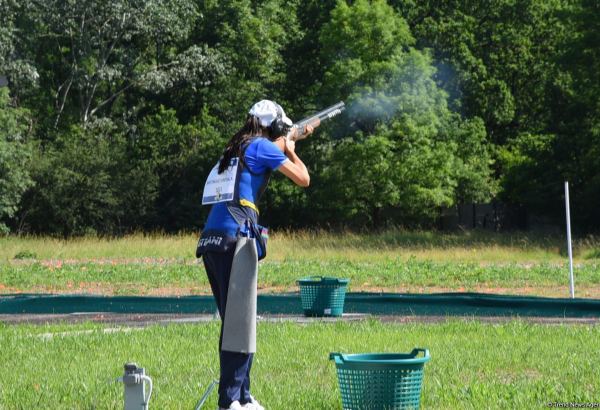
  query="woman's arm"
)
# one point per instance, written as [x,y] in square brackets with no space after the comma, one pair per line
[294,168]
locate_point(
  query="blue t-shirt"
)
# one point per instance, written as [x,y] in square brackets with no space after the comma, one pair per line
[261,156]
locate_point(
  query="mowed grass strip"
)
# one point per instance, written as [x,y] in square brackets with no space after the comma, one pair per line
[177,278]
[473,365]
[391,261]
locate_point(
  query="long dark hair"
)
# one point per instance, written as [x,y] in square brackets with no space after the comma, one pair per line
[238,143]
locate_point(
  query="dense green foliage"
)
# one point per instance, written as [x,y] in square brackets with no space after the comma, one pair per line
[116,110]
[14,157]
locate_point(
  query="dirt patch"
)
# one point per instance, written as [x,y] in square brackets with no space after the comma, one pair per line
[58,263]
[509,377]
[129,289]
[109,289]
[592,292]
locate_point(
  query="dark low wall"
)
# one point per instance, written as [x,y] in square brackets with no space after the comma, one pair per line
[453,304]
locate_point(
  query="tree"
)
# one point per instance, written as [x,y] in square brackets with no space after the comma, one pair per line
[179,157]
[253,36]
[303,58]
[536,164]
[15,155]
[523,181]
[497,59]
[14,63]
[403,153]
[126,104]
[91,54]
[86,184]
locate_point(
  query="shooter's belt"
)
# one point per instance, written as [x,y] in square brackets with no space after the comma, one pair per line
[244,202]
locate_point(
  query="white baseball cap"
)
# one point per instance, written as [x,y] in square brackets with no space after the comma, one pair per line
[266,111]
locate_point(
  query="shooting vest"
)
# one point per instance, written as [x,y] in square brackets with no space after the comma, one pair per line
[242,210]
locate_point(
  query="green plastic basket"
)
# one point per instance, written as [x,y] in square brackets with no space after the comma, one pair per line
[323,296]
[381,380]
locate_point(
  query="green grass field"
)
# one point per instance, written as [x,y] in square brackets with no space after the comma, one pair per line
[473,365]
[392,261]
[394,275]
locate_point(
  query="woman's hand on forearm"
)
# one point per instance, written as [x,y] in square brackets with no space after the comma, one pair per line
[294,168]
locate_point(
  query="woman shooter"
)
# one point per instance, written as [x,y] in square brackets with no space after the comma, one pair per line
[232,242]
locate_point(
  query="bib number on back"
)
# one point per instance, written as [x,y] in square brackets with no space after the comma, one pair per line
[220,187]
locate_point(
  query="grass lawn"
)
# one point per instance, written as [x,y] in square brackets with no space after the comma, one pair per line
[469,246]
[394,275]
[392,261]
[473,365]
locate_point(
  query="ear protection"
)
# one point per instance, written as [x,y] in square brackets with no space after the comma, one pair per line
[278,127]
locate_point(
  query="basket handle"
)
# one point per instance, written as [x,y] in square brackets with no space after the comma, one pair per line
[416,351]
[311,278]
[335,355]
[321,279]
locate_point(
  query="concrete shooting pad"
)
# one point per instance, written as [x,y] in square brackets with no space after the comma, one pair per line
[279,306]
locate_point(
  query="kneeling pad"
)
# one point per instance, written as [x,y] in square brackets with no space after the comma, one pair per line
[239,325]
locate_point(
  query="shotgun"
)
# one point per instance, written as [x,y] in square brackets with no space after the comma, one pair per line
[314,120]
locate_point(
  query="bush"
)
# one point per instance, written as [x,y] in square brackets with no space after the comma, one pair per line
[25,254]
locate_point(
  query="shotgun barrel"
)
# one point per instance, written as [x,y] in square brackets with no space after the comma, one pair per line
[326,114]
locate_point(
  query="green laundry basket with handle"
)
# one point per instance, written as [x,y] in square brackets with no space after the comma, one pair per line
[380,380]
[323,296]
